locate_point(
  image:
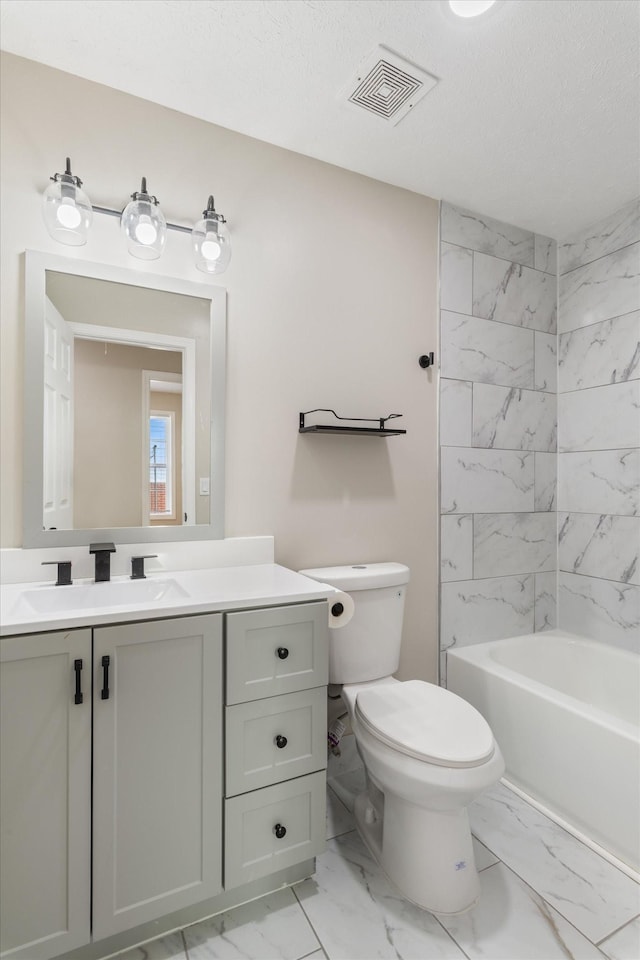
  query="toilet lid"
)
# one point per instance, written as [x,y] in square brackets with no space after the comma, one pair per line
[427,722]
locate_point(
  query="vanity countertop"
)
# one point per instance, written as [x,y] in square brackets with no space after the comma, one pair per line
[39,607]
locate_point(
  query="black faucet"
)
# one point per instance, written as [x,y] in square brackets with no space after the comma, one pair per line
[103,560]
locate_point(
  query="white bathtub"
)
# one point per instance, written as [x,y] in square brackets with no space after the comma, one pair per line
[565,712]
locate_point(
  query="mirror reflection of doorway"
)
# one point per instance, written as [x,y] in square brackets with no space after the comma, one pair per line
[111,436]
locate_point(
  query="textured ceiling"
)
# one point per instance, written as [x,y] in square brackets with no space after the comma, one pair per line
[535,120]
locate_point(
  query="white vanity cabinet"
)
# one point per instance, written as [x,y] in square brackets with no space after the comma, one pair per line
[118,799]
[277,674]
[45,794]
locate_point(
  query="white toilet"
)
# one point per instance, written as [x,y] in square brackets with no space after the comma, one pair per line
[427,752]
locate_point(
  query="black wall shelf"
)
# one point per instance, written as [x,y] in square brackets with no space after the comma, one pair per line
[380,431]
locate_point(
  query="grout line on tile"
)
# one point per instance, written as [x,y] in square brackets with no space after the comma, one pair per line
[595,260]
[314,951]
[306,916]
[613,932]
[594,323]
[450,935]
[510,386]
[518,326]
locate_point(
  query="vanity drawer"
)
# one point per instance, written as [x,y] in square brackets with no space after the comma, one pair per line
[274,828]
[276,650]
[275,739]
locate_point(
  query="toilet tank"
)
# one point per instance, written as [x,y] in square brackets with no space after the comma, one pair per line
[368,647]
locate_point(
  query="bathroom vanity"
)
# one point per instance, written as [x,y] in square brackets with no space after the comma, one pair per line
[162,759]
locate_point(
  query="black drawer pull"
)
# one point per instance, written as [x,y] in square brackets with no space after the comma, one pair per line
[77,666]
[280,831]
[281,741]
[104,693]
[282,652]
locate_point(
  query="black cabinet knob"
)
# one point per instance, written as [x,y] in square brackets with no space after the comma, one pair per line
[281,741]
[337,609]
[279,831]
[282,652]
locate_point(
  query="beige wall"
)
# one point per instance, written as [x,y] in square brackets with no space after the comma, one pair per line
[331,299]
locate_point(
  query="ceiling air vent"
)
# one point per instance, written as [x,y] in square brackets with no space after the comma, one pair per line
[388,85]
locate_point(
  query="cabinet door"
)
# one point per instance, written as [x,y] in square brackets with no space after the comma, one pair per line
[276,650]
[157,781]
[45,794]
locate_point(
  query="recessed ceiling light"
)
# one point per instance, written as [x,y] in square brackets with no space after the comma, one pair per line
[470,8]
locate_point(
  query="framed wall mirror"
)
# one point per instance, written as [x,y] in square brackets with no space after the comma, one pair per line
[124,405]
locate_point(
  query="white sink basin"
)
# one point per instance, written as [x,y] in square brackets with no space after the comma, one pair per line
[85,596]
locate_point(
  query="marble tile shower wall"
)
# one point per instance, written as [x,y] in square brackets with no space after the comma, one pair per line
[498,429]
[599,430]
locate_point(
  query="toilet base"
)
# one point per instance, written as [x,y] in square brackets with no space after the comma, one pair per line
[427,855]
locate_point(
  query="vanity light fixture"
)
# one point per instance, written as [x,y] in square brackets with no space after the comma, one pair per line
[66,209]
[68,214]
[470,8]
[211,241]
[144,225]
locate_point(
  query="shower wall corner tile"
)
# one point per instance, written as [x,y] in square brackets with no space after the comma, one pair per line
[456,547]
[605,288]
[511,293]
[546,255]
[600,481]
[600,545]
[513,419]
[480,350]
[486,481]
[456,277]
[545,362]
[600,609]
[546,480]
[546,601]
[473,611]
[618,230]
[472,230]
[600,418]
[602,353]
[455,413]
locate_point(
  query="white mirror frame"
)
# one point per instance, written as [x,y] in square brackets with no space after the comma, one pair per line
[36,267]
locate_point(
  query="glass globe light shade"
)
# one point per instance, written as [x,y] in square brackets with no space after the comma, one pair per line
[144,226]
[211,242]
[66,209]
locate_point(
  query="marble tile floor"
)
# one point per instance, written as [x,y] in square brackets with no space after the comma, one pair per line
[545,895]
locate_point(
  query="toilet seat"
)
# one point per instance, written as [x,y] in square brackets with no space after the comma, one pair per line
[426,722]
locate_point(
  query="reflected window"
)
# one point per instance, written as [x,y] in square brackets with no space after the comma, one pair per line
[161,465]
